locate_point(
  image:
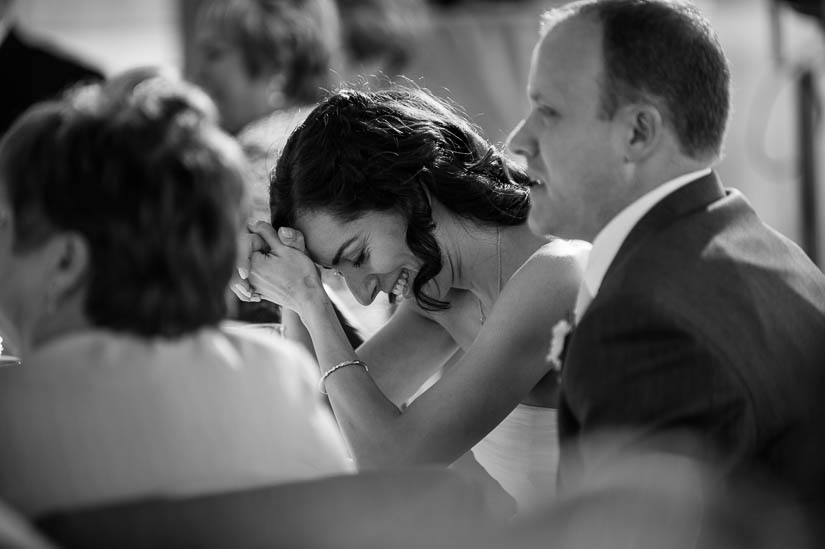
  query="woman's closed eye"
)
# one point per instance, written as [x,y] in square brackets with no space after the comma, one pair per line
[333,270]
[362,257]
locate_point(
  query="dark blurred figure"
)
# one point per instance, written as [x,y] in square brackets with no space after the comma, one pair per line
[16,533]
[32,72]
[379,36]
[265,63]
[658,500]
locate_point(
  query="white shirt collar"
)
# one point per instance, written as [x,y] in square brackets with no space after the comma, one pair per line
[607,243]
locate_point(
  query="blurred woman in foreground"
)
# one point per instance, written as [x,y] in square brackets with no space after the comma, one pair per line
[123,208]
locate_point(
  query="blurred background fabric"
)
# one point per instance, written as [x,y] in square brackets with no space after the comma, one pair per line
[478,54]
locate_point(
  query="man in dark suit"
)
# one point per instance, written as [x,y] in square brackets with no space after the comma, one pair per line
[695,321]
[32,72]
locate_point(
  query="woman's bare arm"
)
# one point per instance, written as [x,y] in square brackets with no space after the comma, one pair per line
[506,360]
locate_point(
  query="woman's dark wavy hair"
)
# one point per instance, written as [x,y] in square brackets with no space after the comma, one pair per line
[359,152]
[153,187]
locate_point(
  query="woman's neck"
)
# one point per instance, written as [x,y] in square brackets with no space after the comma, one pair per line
[480,258]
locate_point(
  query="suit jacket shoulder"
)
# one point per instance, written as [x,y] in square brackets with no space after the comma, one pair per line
[707,321]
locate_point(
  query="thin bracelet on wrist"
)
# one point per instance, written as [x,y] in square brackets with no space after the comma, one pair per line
[337,367]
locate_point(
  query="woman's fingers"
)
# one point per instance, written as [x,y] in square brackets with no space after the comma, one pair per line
[244,291]
[292,238]
[268,278]
[282,273]
[248,244]
[284,236]
[266,232]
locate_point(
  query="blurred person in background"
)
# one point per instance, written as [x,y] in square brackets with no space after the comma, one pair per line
[123,208]
[265,63]
[379,37]
[32,71]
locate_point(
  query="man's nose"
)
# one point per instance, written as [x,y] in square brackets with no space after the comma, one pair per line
[518,142]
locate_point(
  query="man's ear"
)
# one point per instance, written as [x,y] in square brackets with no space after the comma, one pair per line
[645,126]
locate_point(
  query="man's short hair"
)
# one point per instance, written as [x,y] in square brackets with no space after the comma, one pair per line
[665,52]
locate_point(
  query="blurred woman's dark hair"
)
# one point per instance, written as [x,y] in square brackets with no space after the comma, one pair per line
[383,151]
[298,38]
[382,32]
[145,177]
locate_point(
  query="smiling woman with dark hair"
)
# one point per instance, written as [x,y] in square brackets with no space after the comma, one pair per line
[400,194]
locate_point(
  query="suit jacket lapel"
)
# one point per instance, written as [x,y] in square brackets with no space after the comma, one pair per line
[694,196]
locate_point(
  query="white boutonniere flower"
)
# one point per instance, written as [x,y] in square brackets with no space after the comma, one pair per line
[558,343]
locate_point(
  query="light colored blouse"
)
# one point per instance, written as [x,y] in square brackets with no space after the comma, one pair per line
[95,417]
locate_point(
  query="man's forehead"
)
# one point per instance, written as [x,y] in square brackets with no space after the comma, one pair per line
[569,48]
[539,82]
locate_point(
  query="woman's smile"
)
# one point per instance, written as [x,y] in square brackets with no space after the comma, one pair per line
[401,285]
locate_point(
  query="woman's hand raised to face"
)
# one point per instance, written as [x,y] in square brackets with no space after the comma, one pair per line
[277,266]
[248,244]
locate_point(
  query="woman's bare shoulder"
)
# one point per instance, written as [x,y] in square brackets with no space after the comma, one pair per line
[552,273]
[562,249]
[559,258]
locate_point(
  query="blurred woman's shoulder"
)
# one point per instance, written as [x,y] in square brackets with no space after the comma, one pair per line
[264,345]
